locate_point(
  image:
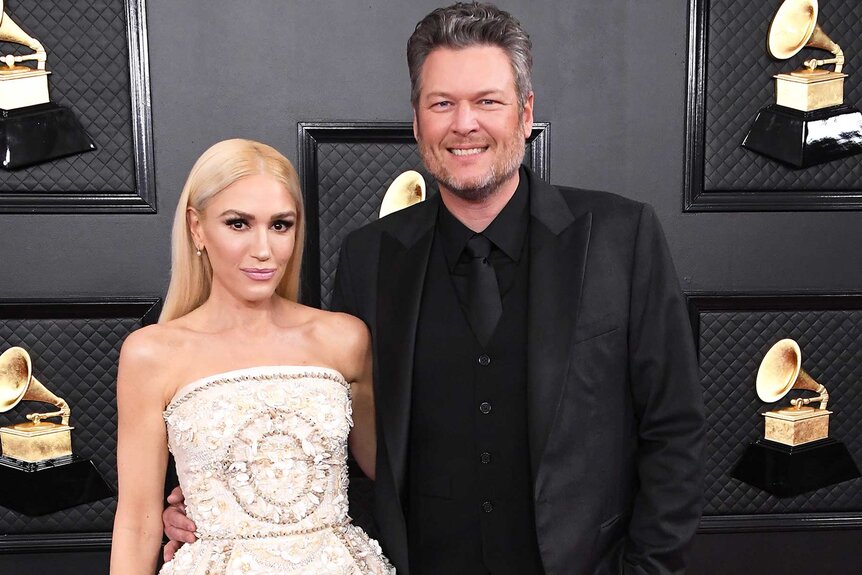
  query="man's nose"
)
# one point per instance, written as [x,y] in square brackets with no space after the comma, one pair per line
[465,120]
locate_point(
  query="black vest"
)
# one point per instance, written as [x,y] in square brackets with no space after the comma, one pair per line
[470,497]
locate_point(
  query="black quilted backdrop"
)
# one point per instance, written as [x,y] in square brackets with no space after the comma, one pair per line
[353,179]
[346,172]
[732,344]
[76,359]
[88,57]
[739,82]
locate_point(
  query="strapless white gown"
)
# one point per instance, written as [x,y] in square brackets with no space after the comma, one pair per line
[261,457]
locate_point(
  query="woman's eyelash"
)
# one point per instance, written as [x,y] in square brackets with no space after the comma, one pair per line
[241,222]
[234,221]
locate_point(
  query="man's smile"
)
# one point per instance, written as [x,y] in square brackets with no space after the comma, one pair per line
[467,151]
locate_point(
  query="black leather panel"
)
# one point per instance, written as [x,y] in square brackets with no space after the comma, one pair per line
[75,357]
[732,344]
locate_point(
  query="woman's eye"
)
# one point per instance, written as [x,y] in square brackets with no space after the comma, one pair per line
[236,223]
[281,225]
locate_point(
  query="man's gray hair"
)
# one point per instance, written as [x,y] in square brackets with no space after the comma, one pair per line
[463,25]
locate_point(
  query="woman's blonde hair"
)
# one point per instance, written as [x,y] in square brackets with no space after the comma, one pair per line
[220,166]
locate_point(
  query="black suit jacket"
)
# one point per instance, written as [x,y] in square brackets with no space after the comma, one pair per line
[615,413]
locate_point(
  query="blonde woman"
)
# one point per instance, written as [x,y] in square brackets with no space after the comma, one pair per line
[250,390]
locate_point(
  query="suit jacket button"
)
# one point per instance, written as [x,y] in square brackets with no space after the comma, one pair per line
[485,407]
[487,506]
[484,360]
[485,457]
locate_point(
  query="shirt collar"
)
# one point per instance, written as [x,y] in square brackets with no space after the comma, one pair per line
[507,231]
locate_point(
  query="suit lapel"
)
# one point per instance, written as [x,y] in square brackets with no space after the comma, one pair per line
[558,249]
[403,263]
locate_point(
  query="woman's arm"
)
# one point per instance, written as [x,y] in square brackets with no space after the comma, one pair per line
[363,438]
[142,455]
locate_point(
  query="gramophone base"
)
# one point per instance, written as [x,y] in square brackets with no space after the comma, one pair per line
[794,427]
[807,91]
[39,488]
[784,471]
[40,133]
[21,89]
[802,139]
[33,442]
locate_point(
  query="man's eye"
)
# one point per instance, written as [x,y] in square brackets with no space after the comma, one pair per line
[487,102]
[282,225]
[441,105]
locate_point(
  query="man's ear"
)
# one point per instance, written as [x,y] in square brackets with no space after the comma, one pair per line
[415,126]
[527,117]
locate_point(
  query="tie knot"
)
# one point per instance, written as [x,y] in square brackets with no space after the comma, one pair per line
[478,247]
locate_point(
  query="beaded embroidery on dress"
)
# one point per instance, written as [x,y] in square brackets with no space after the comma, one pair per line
[261,456]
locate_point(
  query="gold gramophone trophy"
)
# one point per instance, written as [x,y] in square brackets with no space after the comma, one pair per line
[809,123]
[35,440]
[32,128]
[38,471]
[405,190]
[796,453]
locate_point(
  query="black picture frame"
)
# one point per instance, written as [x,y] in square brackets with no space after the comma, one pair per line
[310,135]
[143,311]
[701,302]
[141,199]
[698,199]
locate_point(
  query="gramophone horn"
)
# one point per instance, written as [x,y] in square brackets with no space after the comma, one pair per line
[15,373]
[17,384]
[781,370]
[406,190]
[795,27]
[11,32]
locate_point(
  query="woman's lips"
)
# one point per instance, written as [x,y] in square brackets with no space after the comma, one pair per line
[258,274]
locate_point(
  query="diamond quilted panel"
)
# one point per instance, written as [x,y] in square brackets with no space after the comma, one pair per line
[77,360]
[739,82]
[352,178]
[89,62]
[732,344]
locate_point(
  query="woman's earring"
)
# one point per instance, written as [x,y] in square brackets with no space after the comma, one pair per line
[198,252]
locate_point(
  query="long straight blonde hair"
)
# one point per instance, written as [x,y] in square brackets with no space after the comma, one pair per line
[220,166]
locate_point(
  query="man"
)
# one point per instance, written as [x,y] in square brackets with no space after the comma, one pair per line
[537,390]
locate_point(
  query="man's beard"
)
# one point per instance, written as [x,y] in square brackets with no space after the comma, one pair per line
[477,189]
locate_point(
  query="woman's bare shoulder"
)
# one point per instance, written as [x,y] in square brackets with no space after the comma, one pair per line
[343,327]
[150,352]
[342,340]
[348,339]
[153,340]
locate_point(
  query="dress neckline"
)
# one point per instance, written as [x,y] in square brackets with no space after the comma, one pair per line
[245,372]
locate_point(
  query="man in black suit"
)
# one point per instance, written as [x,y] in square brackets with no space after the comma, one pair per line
[538,404]
[558,427]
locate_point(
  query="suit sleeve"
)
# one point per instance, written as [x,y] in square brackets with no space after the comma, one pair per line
[342,294]
[669,407]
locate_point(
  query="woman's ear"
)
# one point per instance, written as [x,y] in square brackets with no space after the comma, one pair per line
[195,227]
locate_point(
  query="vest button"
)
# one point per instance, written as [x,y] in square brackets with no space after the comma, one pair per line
[485,457]
[487,506]
[485,407]
[484,360]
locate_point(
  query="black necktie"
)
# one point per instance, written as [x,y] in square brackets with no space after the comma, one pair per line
[483,293]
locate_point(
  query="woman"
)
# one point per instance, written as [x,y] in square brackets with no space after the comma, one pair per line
[249,389]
